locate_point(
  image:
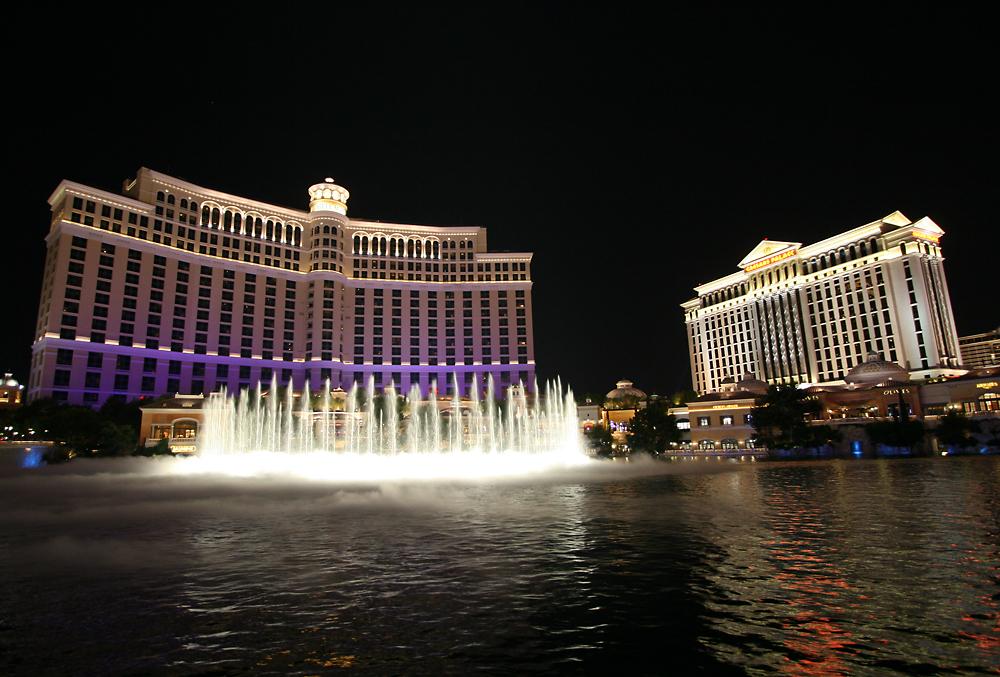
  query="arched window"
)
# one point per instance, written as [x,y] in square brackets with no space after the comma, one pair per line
[184,203]
[206,216]
[237,222]
[729,443]
[417,250]
[159,196]
[193,206]
[409,248]
[357,244]
[437,250]
[227,220]
[269,232]
[864,248]
[171,199]
[258,227]
[215,217]
[298,237]
[185,428]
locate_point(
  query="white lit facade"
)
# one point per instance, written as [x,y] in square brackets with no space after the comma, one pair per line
[797,313]
[980,351]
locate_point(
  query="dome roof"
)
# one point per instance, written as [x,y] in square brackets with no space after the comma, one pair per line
[876,370]
[751,384]
[624,390]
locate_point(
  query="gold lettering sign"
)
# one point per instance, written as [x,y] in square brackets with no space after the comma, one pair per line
[987,385]
[771,259]
[926,236]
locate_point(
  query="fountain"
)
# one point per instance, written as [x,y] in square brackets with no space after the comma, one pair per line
[363,436]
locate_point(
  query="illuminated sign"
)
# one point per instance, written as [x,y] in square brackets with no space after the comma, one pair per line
[896,391]
[988,385]
[926,236]
[771,259]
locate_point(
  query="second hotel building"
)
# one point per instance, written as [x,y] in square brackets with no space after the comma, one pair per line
[174,288]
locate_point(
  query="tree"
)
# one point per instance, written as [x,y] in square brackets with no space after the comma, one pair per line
[600,440]
[116,410]
[80,430]
[896,433]
[682,397]
[652,429]
[954,430]
[780,420]
[161,448]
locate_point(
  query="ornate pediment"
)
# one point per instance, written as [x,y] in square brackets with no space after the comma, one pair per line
[768,252]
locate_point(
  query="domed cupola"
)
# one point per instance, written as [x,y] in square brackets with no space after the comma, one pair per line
[751,384]
[624,390]
[875,370]
[328,197]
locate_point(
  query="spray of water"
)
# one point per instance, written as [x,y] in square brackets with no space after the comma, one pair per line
[362,434]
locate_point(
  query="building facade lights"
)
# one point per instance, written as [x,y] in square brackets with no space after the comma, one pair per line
[175,288]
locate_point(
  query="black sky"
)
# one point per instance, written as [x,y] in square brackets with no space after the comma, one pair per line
[637,154]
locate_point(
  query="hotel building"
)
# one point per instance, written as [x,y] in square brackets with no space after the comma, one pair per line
[797,313]
[174,288]
[980,351]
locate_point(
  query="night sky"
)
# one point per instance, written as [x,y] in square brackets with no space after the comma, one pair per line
[635,154]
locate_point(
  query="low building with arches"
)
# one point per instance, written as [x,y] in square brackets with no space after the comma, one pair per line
[170,287]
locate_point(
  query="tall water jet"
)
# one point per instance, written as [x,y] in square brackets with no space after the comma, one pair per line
[311,436]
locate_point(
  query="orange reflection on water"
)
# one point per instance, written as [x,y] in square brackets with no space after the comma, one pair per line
[814,641]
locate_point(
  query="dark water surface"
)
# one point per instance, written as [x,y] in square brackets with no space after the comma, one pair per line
[816,567]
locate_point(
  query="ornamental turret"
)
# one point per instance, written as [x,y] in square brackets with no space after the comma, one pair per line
[328,197]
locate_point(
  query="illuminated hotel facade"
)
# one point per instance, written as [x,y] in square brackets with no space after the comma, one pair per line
[981,351]
[797,313]
[174,288]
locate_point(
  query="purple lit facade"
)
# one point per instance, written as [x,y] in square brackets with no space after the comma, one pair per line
[174,288]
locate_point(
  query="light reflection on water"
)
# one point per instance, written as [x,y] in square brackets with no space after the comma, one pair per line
[816,567]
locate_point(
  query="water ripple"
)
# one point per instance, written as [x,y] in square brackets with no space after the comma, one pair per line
[807,568]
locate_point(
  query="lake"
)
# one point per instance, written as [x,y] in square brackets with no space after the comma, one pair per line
[112,567]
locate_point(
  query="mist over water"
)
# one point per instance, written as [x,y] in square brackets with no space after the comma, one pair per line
[114,567]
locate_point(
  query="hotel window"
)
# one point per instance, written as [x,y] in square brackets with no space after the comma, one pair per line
[727,420]
[703,421]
